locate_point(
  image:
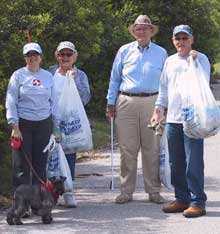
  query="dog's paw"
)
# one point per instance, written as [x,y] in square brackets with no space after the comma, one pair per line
[47,220]
[13,220]
[17,221]
[9,221]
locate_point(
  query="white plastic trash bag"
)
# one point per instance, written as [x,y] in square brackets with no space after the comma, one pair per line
[53,158]
[57,165]
[75,129]
[53,164]
[200,112]
[165,172]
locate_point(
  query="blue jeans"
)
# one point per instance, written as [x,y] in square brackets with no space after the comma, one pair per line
[71,159]
[187,166]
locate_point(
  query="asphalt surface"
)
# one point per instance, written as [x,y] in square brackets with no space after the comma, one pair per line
[98,214]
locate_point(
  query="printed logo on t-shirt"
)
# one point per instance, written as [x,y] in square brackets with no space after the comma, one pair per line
[36,82]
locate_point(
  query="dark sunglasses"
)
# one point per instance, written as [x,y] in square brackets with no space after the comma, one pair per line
[181,38]
[65,54]
[34,53]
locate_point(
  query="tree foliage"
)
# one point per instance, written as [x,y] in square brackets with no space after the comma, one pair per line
[98,28]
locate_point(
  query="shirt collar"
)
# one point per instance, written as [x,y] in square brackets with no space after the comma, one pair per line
[145,48]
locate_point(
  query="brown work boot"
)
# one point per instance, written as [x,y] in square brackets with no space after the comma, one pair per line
[123,198]
[156,198]
[194,211]
[174,207]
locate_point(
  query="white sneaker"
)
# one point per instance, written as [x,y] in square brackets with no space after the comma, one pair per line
[69,200]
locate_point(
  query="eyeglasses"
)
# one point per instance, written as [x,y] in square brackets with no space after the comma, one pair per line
[65,54]
[181,38]
[144,29]
[29,54]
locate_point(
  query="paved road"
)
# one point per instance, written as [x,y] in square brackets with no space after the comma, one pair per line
[98,214]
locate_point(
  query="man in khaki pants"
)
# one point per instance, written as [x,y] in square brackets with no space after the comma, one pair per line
[132,93]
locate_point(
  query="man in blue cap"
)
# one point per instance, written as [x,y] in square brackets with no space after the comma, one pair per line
[186,154]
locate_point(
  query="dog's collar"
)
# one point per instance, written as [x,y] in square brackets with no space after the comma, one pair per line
[50,188]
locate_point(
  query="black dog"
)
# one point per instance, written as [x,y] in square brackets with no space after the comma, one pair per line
[41,199]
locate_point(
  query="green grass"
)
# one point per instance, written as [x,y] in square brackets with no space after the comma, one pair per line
[216,72]
[101,133]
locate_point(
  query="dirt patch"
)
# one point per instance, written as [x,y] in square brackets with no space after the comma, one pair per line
[5,202]
[93,155]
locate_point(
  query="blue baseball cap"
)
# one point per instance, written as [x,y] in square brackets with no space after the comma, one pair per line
[183,28]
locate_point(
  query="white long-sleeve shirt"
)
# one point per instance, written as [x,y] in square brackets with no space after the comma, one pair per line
[170,84]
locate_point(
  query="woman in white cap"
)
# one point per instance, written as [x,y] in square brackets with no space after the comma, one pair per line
[66,56]
[29,103]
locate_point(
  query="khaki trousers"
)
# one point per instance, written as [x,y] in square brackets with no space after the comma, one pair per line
[133,116]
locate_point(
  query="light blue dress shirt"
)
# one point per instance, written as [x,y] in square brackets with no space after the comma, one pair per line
[136,70]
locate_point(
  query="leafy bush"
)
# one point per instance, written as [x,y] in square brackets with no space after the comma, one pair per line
[5,159]
[216,72]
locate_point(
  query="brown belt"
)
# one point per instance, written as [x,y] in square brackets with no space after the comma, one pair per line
[138,94]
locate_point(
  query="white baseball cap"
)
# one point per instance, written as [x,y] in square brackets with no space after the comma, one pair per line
[32,46]
[66,45]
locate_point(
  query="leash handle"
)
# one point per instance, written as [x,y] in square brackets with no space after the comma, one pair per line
[15,143]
